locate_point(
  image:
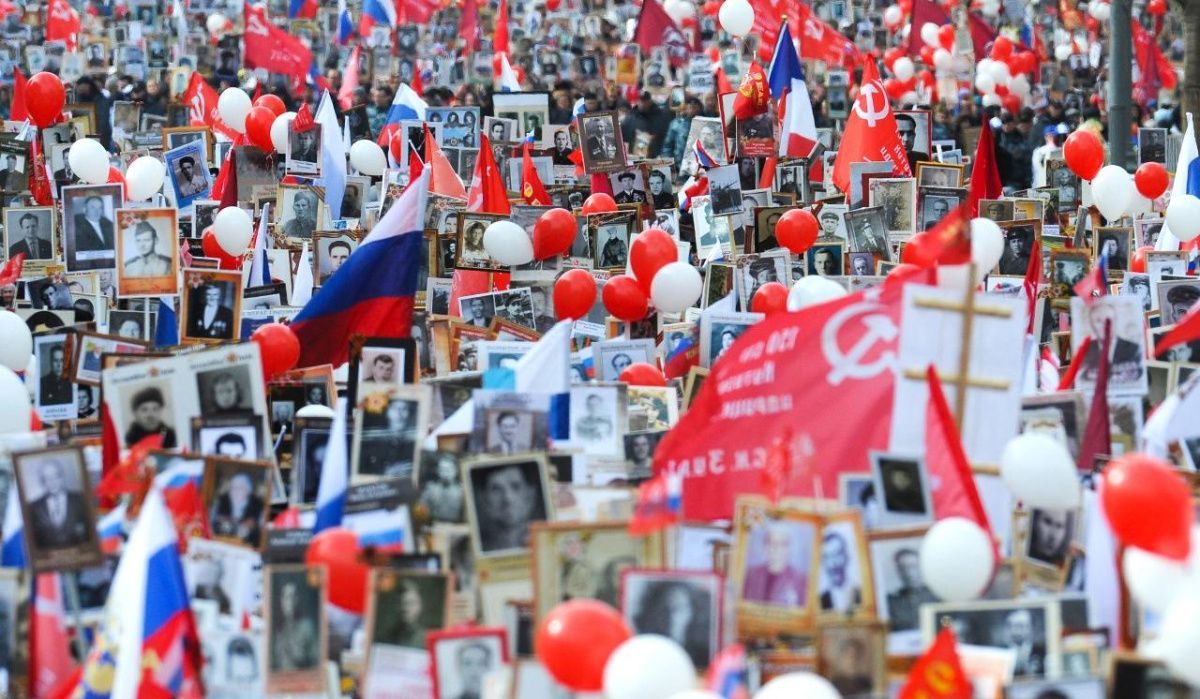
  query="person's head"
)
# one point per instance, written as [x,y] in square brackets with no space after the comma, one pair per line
[130,328]
[640,448]
[860,265]
[1019,627]
[657,182]
[240,665]
[908,567]
[231,445]
[727,339]
[899,479]
[474,660]
[506,424]
[305,205]
[447,468]
[620,362]
[496,131]
[537,295]
[779,546]
[29,226]
[692,107]
[56,360]
[835,557]
[226,394]
[398,414]
[474,235]
[850,657]
[147,407]
[289,598]
[1101,314]
[1181,299]
[306,139]
[508,498]
[383,368]
[212,295]
[144,238]
[339,252]
[1110,246]
[1051,530]
[829,222]
[763,271]
[93,207]
[1062,177]
[562,141]
[939,208]
[187,166]
[625,181]
[823,261]
[477,308]
[907,126]
[54,477]
[83,398]
[47,294]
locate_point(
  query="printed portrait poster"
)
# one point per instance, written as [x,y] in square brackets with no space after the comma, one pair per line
[722,443]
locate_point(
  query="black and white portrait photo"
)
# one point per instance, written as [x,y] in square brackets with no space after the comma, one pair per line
[387,444]
[509,431]
[1029,628]
[683,606]
[825,259]
[1176,298]
[860,264]
[516,306]
[1018,247]
[229,441]
[1152,145]
[29,232]
[298,213]
[56,503]
[896,565]
[478,310]
[212,305]
[612,244]
[441,487]
[309,446]
[304,150]
[611,357]
[406,606]
[754,270]
[151,411]
[1127,360]
[55,393]
[639,452]
[147,250]
[1114,243]
[89,234]
[904,485]
[380,365]
[237,494]
[187,168]
[628,187]
[840,583]
[295,628]
[461,660]
[868,231]
[1049,536]
[595,421]
[603,150]
[934,208]
[506,496]
[660,195]
[897,197]
[332,253]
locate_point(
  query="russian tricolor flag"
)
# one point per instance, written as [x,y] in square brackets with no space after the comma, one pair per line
[376,12]
[335,469]
[703,159]
[111,528]
[13,553]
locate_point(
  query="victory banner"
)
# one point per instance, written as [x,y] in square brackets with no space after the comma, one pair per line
[817,383]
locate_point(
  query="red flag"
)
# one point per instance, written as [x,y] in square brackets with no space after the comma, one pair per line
[12,269]
[923,11]
[1033,278]
[724,87]
[821,42]
[226,182]
[201,98]
[304,119]
[62,22]
[947,243]
[49,644]
[19,110]
[188,512]
[349,79]
[985,174]
[576,157]
[938,674]
[954,491]
[656,28]
[836,355]
[272,48]
[468,26]
[130,474]
[1186,329]
[753,96]
[1155,71]
[532,189]
[1097,437]
[468,282]
[415,165]
[39,177]
[871,134]
[767,25]
[416,11]
[982,35]
[500,32]
[442,177]
[487,193]
[110,448]
[1068,377]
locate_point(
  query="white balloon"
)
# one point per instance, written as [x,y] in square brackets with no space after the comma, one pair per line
[695,694]
[1178,640]
[1154,581]
[89,161]
[991,100]
[909,99]
[648,666]
[737,17]
[942,59]
[16,346]
[675,287]
[999,72]
[232,106]
[1019,85]
[316,411]
[367,157]
[144,177]
[903,69]
[1112,190]
[508,243]
[1183,216]
[798,685]
[983,66]
[987,243]
[279,131]
[1062,52]
[1039,470]
[811,290]
[15,404]
[679,10]
[985,83]
[1100,10]
[929,34]
[893,15]
[233,228]
[1138,205]
[215,23]
[956,559]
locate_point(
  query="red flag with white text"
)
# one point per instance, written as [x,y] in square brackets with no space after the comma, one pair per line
[272,48]
[871,134]
[62,22]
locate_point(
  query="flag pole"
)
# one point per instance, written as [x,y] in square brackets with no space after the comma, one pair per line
[71,600]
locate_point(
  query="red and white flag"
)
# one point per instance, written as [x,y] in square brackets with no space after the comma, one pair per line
[954,491]
[349,79]
[656,28]
[871,134]
[49,646]
[272,48]
[442,177]
[62,22]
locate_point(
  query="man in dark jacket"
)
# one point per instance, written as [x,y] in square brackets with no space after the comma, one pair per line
[649,118]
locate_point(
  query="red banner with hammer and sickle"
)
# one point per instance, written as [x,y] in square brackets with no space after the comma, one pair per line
[871,134]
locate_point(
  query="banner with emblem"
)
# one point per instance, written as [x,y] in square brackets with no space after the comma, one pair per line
[819,381]
[656,28]
[871,133]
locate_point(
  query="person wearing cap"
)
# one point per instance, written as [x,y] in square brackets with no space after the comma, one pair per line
[1180,300]
[829,223]
[646,117]
[626,194]
[1051,144]
[147,405]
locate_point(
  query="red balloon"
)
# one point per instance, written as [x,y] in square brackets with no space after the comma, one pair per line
[599,203]
[1151,180]
[1011,103]
[1002,48]
[574,294]
[271,102]
[258,127]
[553,5]
[712,8]
[927,54]
[115,177]
[1084,153]
[553,233]
[890,56]
[652,250]
[946,36]
[396,146]
[894,89]
[642,374]
[1156,8]
[624,298]
[1148,505]
[1137,261]
[44,98]
[213,249]
[905,6]
[575,640]
[337,549]
[770,298]
[279,348]
[797,230]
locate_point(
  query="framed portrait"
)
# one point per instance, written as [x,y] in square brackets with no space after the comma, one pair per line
[725,189]
[611,357]
[1021,238]
[441,489]
[187,170]
[610,236]
[310,442]
[471,254]
[89,236]
[56,504]
[463,657]
[1067,268]
[31,231]
[1060,415]
[845,587]
[175,137]
[88,352]
[825,259]
[404,607]
[939,174]
[853,657]
[303,156]
[1030,627]
[1071,688]
[683,605]
[1117,244]
[584,561]
[499,530]
[1046,543]
[1176,298]
[997,209]
[212,305]
[331,252]
[295,627]
[719,331]
[389,425]
[756,269]
[380,363]
[237,437]
[896,565]
[501,130]
[897,198]
[904,489]
[54,394]
[148,251]
[1152,145]
[297,214]
[1127,351]
[236,495]
[936,203]
[775,558]
[602,144]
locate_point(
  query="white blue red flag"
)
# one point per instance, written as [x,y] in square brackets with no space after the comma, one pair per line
[382,12]
[785,77]
[331,490]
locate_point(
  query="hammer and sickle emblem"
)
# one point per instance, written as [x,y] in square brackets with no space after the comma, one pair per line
[864,106]
[849,363]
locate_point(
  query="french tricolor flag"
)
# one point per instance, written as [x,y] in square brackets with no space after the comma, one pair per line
[785,77]
[376,12]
